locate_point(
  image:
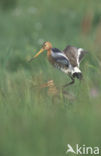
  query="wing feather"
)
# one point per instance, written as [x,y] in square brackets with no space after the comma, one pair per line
[81,54]
[75,55]
[71,53]
[60,58]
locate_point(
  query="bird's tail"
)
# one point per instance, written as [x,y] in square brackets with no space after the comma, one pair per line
[77,73]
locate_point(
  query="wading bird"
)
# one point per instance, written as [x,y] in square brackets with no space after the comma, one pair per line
[68,60]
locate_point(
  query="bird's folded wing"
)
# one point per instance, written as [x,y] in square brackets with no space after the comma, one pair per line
[61,58]
[63,61]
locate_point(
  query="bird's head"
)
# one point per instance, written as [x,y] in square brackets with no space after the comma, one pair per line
[45,46]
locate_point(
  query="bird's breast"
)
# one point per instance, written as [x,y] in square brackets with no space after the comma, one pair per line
[49,54]
[50,58]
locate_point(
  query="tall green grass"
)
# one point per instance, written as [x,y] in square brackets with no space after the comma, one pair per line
[32,121]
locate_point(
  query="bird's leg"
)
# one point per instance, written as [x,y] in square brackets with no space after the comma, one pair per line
[70,83]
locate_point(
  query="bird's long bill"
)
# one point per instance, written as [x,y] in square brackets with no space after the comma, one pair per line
[41,50]
[36,55]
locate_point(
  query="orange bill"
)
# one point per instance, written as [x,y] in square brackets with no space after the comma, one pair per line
[39,53]
[36,55]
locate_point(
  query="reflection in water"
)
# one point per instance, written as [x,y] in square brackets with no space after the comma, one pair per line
[56,92]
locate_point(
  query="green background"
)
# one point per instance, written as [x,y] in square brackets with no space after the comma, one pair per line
[34,122]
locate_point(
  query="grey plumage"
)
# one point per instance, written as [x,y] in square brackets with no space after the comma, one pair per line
[59,57]
[62,60]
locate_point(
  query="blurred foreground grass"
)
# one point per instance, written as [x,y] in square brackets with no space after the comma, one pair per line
[32,121]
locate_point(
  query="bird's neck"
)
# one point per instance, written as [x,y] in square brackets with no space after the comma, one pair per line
[49,53]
